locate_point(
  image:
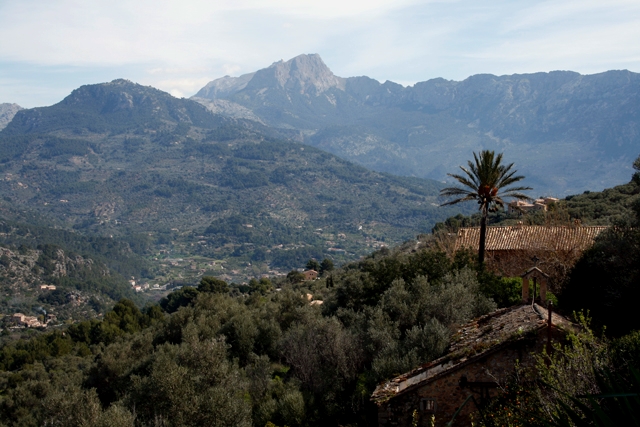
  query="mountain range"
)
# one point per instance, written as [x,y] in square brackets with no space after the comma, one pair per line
[565,132]
[132,162]
[244,173]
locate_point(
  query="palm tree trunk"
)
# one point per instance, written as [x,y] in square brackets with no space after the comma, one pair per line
[483,238]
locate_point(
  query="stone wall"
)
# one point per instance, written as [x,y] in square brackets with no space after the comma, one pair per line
[443,396]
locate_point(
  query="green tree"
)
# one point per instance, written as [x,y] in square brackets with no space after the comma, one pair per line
[295,276]
[213,285]
[180,298]
[312,264]
[190,384]
[325,357]
[485,182]
[262,287]
[326,266]
[636,175]
[125,315]
[606,279]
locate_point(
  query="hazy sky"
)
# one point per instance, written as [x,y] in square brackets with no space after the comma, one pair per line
[50,47]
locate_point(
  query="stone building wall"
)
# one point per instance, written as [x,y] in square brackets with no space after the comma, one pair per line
[443,396]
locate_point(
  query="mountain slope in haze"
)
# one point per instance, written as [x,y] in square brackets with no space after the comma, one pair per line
[127,160]
[566,132]
[118,106]
[7,111]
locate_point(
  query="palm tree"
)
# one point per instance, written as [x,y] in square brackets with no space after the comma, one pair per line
[485,181]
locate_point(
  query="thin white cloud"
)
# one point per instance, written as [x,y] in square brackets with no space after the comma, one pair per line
[570,13]
[77,32]
[327,9]
[176,44]
[585,48]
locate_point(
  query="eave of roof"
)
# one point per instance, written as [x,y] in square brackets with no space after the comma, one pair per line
[477,339]
[530,237]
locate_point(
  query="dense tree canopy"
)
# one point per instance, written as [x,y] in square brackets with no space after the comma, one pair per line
[213,285]
[213,356]
[229,355]
[606,280]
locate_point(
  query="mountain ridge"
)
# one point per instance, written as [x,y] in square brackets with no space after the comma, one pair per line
[565,131]
[127,160]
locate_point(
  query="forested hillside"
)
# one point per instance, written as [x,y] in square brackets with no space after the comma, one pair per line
[608,207]
[223,358]
[133,162]
[89,273]
[290,352]
[119,180]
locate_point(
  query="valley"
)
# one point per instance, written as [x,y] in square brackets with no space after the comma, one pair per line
[184,193]
[236,185]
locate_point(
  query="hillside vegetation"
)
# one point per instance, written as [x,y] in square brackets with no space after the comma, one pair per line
[608,207]
[256,355]
[223,358]
[128,161]
[89,273]
[119,180]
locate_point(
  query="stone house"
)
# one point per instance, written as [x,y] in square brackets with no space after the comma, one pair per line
[510,248]
[26,321]
[520,206]
[310,275]
[18,318]
[482,355]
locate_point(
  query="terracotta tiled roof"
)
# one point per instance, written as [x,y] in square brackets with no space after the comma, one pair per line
[521,237]
[501,325]
[472,341]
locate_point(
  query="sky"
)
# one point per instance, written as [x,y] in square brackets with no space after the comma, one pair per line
[50,47]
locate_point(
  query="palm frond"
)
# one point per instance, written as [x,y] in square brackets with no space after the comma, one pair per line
[506,175]
[498,201]
[510,180]
[456,201]
[464,181]
[486,180]
[456,191]
[473,179]
[459,192]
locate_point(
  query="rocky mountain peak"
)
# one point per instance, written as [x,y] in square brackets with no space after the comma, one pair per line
[224,87]
[305,73]
[7,111]
[114,95]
